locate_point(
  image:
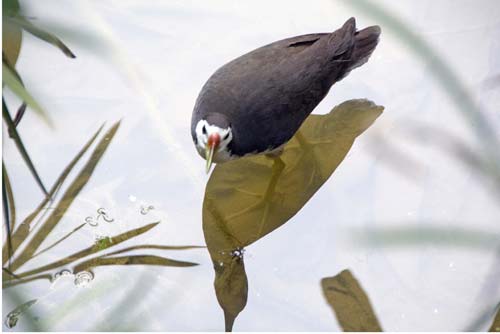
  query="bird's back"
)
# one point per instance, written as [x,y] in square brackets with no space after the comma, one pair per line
[267,93]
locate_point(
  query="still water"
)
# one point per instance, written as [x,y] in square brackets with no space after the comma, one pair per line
[407,209]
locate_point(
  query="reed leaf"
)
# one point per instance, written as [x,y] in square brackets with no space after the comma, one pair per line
[131,260]
[21,233]
[67,199]
[90,250]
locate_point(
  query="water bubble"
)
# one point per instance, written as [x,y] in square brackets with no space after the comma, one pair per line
[132,198]
[83,278]
[61,273]
[221,264]
[238,252]
[145,210]
[102,213]
[89,220]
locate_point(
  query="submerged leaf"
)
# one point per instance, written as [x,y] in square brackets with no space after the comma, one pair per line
[246,199]
[350,303]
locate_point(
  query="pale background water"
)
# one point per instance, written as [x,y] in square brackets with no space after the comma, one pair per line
[159,55]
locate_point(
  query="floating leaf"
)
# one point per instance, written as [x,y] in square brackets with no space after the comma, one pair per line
[11,79]
[248,198]
[67,199]
[350,303]
[131,260]
[22,232]
[20,146]
[40,33]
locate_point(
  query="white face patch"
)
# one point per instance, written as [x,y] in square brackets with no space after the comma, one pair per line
[203,131]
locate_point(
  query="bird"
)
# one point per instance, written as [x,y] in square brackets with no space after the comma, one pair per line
[255,103]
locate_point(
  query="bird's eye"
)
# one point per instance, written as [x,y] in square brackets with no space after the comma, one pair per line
[226,136]
[204,130]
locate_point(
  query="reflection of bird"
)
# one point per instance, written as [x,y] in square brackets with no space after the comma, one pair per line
[256,103]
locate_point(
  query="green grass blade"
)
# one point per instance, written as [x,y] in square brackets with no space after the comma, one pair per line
[67,199]
[131,260]
[90,250]
[21,233]
[41,34]
[21,147]
[11,79]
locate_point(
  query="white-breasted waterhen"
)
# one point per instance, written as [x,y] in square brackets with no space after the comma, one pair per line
[257,102]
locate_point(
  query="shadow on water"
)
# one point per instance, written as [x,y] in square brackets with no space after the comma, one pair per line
[248,198]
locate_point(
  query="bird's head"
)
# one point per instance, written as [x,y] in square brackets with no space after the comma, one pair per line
[212,140]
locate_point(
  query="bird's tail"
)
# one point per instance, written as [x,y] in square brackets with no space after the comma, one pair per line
[361,44]
[365,42]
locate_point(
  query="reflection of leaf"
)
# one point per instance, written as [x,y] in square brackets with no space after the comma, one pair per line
[40,33]
[419,235]
[11,79]
[350,303]
[22,232]
[131,260]
[115,240]
[67,199]
[20,146]
[248,198]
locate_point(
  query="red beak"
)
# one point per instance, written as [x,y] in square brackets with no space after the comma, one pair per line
[212,144]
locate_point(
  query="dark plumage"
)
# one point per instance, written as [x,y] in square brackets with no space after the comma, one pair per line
[266,94]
